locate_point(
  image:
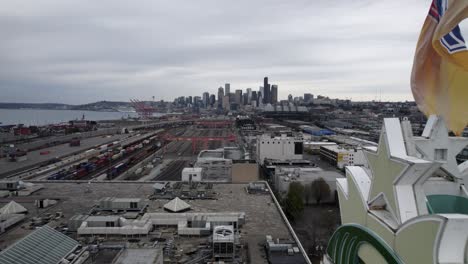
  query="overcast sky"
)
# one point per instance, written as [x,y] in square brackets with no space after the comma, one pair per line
[87,50]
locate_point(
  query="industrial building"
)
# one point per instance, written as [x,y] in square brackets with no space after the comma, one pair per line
[192,174]
[281,147]
[203,233]
[286,111]
[9,185]
[314,146]
[341,156]
[226,165]
[187,224]
[121,204]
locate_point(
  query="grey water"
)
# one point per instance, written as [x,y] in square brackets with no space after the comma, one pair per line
[38,117]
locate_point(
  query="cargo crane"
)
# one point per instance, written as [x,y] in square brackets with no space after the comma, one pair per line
[144,111]
[196,140]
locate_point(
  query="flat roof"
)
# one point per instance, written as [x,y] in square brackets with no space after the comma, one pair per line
[139,255]
[320,143]
[102,218]
[262,216]
[192,169]
[219,154]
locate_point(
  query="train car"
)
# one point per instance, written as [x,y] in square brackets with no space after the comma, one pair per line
[60,175]
[117,156]
[80,173]
[116,170]
[91,153]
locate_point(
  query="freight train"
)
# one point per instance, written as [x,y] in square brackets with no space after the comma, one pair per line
[106,155]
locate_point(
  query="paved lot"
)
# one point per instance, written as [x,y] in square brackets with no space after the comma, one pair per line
[262,216]
[34,157]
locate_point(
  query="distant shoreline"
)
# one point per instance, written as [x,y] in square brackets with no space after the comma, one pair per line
[55,109]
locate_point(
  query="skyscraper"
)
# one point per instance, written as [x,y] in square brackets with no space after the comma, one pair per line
[266,93]
[206,99]
[245,99]
[227,88]
[249,95]
[254,98]
[212,100]
[274,94]
[220,97]
[226,103]
[238,97]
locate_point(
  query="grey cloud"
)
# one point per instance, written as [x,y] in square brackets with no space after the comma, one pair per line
[83,51]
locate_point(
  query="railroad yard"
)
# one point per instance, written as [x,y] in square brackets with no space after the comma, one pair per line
[156,153]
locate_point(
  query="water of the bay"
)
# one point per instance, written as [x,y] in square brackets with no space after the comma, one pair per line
[44,117]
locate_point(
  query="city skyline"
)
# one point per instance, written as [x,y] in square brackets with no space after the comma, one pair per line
[117,51]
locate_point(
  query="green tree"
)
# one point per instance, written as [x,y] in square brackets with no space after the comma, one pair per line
[294,203]
[307,193]
[320,190]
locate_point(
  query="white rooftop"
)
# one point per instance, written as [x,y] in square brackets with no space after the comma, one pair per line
[13,208]
[192,170]
[176,205]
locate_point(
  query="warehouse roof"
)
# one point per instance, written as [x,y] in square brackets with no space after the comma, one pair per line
[43,246]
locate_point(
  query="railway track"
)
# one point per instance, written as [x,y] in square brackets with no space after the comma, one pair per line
[173,171]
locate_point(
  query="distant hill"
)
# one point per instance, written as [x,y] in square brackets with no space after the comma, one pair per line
[102,106]
[34,106]
[97,106]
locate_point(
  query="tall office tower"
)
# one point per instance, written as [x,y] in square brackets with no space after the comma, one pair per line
[245,99]
[189,100]
[249,95]
[227,88]
[238,97]
[206,99]
[212,100]
[226,103]
[266,94]
[197,100]
[308,97]
[274,94]
[254,98]
[220,96]
[290,98]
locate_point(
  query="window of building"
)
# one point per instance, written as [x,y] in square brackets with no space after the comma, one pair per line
[133,205]
[110,224]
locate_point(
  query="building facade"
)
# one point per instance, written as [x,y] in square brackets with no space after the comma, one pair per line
[279,147]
